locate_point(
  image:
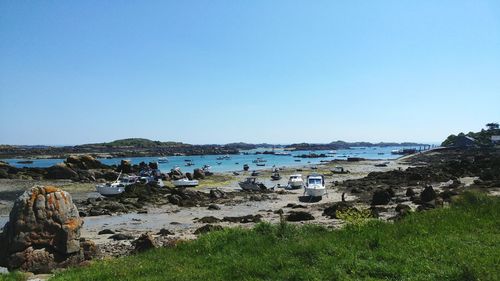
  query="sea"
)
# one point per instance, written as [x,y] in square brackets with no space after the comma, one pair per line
[236,162]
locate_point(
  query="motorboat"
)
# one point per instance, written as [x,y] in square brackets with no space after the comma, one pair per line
[282,153]
[185,183]
[189,164]
[275,176]
[162,160]
[315,185]
[251,184]
[259,160]
[260,164]
[295,181]
[116,187]
[225,157]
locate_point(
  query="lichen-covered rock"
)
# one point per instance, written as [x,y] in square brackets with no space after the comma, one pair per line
[43,232]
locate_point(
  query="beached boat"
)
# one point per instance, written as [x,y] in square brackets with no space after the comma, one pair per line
[162,160]
[315,185]
[118,186]
[185,183]
[255,173]
[383,164]
[295,181]
[251,184]
[246,167]
[339,170]
[275,176]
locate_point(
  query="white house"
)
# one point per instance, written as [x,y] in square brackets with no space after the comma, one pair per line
[495,139]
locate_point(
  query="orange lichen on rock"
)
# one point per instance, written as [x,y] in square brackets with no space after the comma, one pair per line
[73,223]
[51,189]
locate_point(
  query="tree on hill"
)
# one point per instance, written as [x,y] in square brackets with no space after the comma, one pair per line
[492,126]
[482,138]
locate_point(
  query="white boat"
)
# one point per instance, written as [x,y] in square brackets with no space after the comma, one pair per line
[315,185]
[185,183]
[225,157]
[110,189]
[162,160]
[116,187]
[295,181]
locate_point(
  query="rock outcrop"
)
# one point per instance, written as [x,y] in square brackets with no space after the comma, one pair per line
[43,232]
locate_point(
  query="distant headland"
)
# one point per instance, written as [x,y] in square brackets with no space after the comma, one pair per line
[137,147]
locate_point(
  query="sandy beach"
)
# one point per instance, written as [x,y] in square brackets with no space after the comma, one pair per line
[183,221]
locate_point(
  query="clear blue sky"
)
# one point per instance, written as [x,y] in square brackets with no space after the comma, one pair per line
[256,71]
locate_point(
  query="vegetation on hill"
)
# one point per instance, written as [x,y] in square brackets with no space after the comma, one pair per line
[138,142]
[457,243]
[483,137]
[346,145]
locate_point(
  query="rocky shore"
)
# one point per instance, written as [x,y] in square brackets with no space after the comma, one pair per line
[147,216]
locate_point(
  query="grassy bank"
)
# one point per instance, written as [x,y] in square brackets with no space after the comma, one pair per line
[458,243]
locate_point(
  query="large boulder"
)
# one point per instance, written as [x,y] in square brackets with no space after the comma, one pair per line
[428,194]
[198,174]
[43,232]
[61,171]
[381,197]
[332,210]
[84,162]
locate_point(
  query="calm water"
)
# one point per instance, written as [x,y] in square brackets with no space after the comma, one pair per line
[236,162]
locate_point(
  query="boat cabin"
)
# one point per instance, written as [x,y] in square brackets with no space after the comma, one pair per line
[315,180]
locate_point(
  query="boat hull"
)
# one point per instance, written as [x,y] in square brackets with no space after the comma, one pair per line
[110,190]
[315,192]
[183,183]
[295,185]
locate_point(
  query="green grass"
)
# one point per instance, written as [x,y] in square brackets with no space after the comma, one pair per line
[457,243]
[13,276]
